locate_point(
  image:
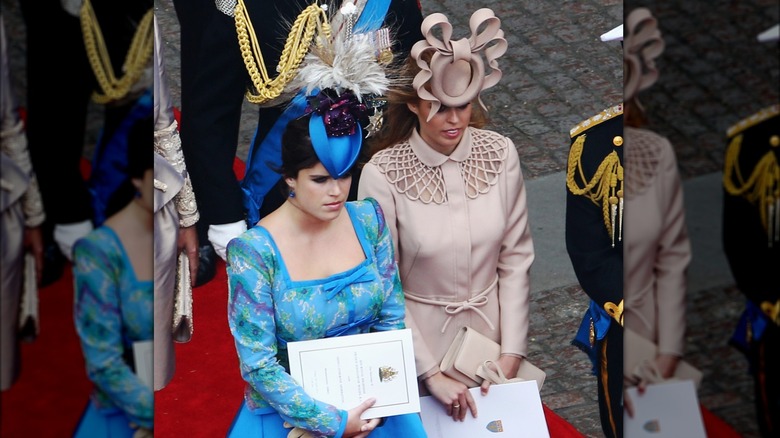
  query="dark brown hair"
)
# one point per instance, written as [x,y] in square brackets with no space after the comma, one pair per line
[297,150]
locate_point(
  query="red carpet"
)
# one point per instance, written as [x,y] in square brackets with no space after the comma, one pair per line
[53,388]
[716,427]
[207,388]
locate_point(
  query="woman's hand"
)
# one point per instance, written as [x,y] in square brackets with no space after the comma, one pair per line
[357,428]
[666,364]
[188,241]
[509,366]
[33,242]
[455,396]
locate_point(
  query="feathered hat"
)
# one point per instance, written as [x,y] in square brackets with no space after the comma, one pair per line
[344,81]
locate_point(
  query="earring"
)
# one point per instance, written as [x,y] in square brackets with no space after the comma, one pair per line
[292,193]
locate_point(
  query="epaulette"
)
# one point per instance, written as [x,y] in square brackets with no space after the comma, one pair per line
[595,171]
[750,121]
[751,167]
[601,117]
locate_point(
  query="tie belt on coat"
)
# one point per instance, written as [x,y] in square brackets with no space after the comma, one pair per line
[454,308]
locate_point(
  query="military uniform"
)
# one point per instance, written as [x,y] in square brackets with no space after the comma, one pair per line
[594,200]
[751,240]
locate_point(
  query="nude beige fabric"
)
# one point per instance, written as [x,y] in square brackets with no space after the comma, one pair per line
[166,232]
[14,184]
[656,247]
[460,228]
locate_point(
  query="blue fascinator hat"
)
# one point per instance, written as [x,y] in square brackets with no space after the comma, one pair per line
[334,128]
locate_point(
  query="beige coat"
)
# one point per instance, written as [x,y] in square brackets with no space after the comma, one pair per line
[656,247]
[462,239]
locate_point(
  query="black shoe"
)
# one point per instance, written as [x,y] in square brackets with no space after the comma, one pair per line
[207,264]
[53,264]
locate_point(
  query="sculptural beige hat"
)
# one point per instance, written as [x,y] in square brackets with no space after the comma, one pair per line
[642,44]
[455,74]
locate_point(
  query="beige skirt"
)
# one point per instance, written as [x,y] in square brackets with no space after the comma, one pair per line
[166,232]
[11,235]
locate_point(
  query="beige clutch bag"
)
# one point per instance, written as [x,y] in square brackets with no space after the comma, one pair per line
[182,301]
[29,326]
[639,351]
[468,353]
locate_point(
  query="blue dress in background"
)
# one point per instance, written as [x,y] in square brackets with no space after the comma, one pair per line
[112,309]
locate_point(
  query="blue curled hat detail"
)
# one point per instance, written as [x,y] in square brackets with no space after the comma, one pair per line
[334,128]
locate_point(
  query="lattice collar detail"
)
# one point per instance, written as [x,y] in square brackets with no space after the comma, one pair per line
[414,168]
[642,159]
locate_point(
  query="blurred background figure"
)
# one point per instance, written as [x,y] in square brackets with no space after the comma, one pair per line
[175,215]
[657,248]
[103,51]
[751,240]
[113,305]
[21,215]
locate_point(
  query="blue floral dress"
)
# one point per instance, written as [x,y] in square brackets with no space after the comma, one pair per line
[112,309]
[266,309]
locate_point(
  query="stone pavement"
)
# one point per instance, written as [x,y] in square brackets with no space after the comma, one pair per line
[556,73]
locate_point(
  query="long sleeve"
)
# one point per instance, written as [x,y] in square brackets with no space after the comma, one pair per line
[13,140]
[514,261]
[674,255]
[252,323]
[167,141]
[392,300]
[98,319]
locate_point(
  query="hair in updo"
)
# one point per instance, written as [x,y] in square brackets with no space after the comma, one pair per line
[297,150]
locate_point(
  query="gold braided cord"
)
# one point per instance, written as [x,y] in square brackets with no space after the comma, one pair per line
[309,22]
[772,310]
[606,185]
[136,60]
[615,311]
[763,184]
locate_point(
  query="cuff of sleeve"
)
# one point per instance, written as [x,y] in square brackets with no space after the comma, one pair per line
[429,373]
[343,425]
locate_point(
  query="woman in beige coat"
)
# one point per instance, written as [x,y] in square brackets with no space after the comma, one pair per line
[21,215]
[455,202]
[657,248]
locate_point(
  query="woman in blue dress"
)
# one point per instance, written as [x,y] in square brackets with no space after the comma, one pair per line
[113,308]
[318,266]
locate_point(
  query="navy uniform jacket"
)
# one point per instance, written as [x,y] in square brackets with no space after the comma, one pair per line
[751,208]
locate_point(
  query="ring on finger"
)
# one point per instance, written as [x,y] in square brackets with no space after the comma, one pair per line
[455,406]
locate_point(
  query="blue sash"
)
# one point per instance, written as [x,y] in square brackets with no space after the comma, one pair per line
[266,155]
[601,322]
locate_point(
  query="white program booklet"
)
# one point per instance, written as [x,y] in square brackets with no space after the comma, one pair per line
[665,410]
[346,370]
[143,354]
[509,410]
